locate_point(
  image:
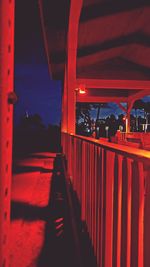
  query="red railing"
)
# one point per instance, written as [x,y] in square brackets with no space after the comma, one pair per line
[113,185]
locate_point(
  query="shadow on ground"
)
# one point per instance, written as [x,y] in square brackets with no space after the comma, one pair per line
[58,246]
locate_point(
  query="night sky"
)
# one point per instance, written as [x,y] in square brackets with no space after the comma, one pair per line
[37,93]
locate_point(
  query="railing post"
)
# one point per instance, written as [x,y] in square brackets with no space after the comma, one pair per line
[109,208]
[6,115]
[129,198]
[141,215]
[118,256]
[147,217]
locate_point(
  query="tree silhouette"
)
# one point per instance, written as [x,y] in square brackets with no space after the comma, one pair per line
[147,111]
[138,105]
[83,118]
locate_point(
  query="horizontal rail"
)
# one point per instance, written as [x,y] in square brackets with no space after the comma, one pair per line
[113,186]
[121,149]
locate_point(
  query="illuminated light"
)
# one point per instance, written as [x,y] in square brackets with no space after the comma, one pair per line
[81,89]
[82,92]
[124,118]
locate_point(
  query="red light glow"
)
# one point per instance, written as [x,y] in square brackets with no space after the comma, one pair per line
[82,92]
[81,89]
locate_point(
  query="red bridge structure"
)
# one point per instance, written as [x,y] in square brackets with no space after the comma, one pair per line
[103,46]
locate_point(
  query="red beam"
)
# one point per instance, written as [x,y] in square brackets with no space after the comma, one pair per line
[114,84]
[98,99]
[139,95]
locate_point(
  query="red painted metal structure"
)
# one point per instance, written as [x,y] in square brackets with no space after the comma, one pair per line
[112,181]
[6,120]
[99,47]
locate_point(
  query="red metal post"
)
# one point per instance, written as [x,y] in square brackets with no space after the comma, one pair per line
[6,113]
[69,95]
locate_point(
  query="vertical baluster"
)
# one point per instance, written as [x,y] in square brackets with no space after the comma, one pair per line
[129,191]
[91,188]
[95,199]
[120,159]
[147,216]
[93,191]
[124,213]
[141,216]
[99,209]
[103,207]
[109,208]
[83,180]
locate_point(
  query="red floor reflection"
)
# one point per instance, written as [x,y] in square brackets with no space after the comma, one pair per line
[30,196]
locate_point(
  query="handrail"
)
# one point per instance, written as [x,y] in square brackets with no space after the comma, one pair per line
[112,182]
[132,152]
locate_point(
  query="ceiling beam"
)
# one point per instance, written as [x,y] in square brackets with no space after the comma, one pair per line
[114,84]
[98,99]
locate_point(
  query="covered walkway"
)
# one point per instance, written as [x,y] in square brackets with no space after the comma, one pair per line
[42,233]
[93,207]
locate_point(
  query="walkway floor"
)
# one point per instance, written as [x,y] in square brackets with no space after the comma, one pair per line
[41,231]
[31,187]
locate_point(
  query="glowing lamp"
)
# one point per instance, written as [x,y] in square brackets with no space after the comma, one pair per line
[82,92]
[81,89]
[124,118]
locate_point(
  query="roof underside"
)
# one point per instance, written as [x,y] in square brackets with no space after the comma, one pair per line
[113,39]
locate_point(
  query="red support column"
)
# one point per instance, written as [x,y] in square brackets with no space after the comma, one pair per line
[6,114]
[70,83]
[64,105]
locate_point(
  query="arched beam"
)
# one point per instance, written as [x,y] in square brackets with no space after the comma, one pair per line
[139,95]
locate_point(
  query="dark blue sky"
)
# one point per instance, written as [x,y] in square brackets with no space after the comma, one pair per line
[37,93]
